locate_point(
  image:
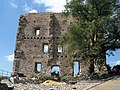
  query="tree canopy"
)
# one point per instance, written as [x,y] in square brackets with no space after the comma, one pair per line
[96,28]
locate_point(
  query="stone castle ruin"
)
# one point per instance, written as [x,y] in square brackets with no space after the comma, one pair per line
[38,49]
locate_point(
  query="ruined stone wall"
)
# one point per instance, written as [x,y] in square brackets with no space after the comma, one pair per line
[29,46]
[29,49]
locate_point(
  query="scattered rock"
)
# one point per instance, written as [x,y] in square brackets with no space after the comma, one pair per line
[51,85]
[78,86]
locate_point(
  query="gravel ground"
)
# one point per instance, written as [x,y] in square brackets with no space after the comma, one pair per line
[82,85]
[77,86]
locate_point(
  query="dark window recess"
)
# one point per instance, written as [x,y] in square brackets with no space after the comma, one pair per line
[34,21]
[41,38]
[65,56]
[31,37]
[37,37]
[27,37]
[24,37]
[38,67]
[19,28]
[70,22]
[74,88]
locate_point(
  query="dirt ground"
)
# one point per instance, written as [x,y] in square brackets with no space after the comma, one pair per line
[113,84]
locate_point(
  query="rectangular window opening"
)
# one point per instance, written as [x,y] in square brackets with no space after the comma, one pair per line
[45,48]
[76,68]
[60,49]
[37,33]
[38,67]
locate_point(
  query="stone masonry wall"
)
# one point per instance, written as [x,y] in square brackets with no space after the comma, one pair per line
[29,46]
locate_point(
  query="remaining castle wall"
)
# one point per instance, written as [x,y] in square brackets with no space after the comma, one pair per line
[29,46]
[39,30]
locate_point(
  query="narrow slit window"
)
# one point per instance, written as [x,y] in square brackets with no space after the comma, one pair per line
[76,68]
[60,48]
[45,48]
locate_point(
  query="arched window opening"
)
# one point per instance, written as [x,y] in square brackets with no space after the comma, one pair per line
[55,72]
[55,68]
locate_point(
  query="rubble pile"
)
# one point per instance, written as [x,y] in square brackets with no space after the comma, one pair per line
[77,86]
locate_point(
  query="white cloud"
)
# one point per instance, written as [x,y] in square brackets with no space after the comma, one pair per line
[10,57]
[26,8]
[13,5]
[33,11]
[37,1]
[53,5]
[117,63]
[113,63]
[29,9]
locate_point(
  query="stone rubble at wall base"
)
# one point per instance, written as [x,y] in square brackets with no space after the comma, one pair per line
[81,85]
[78,86]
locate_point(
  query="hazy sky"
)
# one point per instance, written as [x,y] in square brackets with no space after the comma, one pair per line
[9,17]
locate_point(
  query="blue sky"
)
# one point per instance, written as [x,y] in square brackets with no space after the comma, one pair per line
[9,17]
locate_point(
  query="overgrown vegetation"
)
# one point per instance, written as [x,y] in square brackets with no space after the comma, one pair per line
[95,30]
[114,71]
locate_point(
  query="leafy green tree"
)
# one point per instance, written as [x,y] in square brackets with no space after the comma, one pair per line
[96,29]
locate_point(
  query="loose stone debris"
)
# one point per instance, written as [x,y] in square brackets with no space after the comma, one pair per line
[49,85]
